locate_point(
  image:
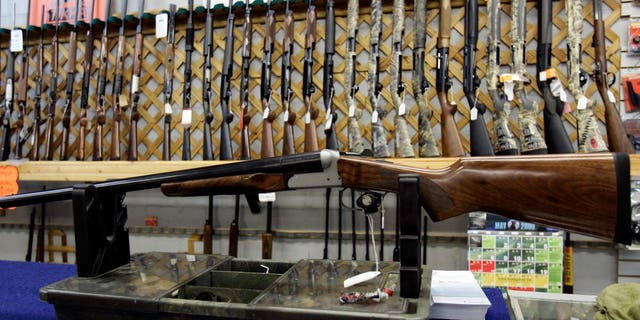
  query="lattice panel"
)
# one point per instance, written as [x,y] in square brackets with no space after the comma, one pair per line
[150,127]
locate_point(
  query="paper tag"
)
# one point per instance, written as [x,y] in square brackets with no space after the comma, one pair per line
[307,117]
[207,75]
[508,90]
[286,115]
[612,99]
[16,40]
[135,83]
[265,113]
[374,116]
[173,261]
[327,124]
[123,101]
[563,95]
[162,22]
[582,103]
[9,91]
[267,197]
[167,108]
[352,111]
[402,109]
[542,75]
[186,117]
[191,258]
[474,113]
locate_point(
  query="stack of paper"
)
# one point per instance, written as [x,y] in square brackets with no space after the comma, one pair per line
[456,295]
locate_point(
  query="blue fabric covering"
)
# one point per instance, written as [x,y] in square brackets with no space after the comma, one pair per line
[499,309]
[20,288]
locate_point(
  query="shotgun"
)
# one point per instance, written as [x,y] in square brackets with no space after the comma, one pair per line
[5,145]
[451,143]
[37,104]
[555,134]
[245,49]
[168,84]
[23,87]
[328,91]
[379,142]
[53,88]
[404,148]
[71,73]
[207,151]
[186,89]
[86,83]
[117,100]
[311,114]
[589,136]
[288,143]
[225,88]
[355,113]
[478,134]
[616,135]
[504,142]
[531,141]
[134,115]
[102,85]
[427,145]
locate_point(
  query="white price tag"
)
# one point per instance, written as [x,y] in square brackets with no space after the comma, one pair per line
[286,115]
[508,90]
[267,197]
[563,95]
[191,258]
[123,101]
[207,75]
[135,83]
[167,108]
[582,103]
[612,98]
[374,116]
[542,75]
[9,91]
[402,109]
[162,22]
[265,113]
[352,111]
[327,124]
[474,113]
[307,117]
[16,40]
[186,117]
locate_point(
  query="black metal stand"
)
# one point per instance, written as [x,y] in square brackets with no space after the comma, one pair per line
[102,242]
[409,212]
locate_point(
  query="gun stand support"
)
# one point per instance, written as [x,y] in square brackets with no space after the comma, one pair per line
[409,212]
[102,242]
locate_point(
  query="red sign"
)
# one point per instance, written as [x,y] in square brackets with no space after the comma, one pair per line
[66,11]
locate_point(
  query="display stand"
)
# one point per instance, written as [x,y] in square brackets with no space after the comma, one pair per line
[409,211]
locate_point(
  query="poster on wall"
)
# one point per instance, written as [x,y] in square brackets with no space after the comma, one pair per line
[66,10]
[514,255]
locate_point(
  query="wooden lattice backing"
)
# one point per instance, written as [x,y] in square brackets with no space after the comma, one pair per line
[150,126]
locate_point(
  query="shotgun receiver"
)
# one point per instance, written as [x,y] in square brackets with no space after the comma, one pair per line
[589,136]
[86,83]
[71,73]
[168,85]
[102,85]
[616,135]
[451,143]
[53,90]
[134,115]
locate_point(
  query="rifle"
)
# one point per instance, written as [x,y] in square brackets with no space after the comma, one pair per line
[37,106]
[311,114]
[168,85]
[23,87]
[134,116]
[404,149]
[531,141]
[186,91]
[478,133]
[380,148]
[267,148]
[41,229]
[71,71]
[102,84]
[53,89]
[454,190]
[117,86]
[451,143]
[616,135]
[555,134]
[207,152]
[32,227]
[327,77]
[245,119]
[86,82]
[225,88]
[355,113]
[427,145]
[589,136]
[504,142]
[288,144]
[5,145]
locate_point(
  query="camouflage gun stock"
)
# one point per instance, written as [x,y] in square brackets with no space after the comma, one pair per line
[404,149]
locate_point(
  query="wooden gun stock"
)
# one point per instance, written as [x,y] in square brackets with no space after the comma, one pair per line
[583,193]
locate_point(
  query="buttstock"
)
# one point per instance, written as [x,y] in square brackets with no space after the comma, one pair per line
[250,183]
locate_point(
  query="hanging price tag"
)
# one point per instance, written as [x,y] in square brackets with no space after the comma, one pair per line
[16,40]
[265,113]
[329,121]
[307,117]
[612,98]
[352,111]
[167,108]
[474,113]
[286,115]
[402,109]
[374,116]
[582,103]
[508,90]
[186,117]
[267,197]
[162,21]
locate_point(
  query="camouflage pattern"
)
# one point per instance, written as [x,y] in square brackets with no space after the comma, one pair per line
[427,145]
[505,140]
[355,138]
[404,149]
[531,139]
[380,147]
[589,136]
